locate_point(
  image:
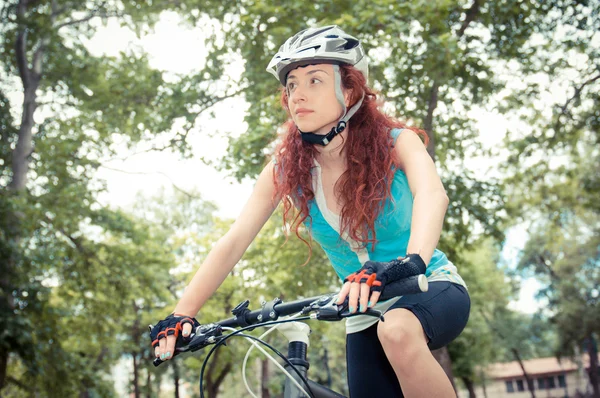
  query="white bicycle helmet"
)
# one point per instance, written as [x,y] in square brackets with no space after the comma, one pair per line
[328,44]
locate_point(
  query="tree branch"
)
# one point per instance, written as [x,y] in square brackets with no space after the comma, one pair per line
[542,261]
[469,17]
[428,125]
[513,349]
[21,46]
[75,21]
[155,172]
[36,64]
[21,51]
[212,369]
[75,241]
[577,94]
[212,103]
[28,3]
[224,372]
[183,137]
[16,382]
[93,14]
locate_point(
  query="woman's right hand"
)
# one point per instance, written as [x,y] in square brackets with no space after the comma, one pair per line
[167,333]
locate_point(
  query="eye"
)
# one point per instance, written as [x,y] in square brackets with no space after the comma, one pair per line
[290,86]
[315,80]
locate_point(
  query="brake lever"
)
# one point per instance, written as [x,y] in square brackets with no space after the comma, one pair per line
[369,311]
[327,310]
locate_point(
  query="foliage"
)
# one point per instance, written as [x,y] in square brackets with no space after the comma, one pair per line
[489,292]
[74,270]
[566,259]
[80,279]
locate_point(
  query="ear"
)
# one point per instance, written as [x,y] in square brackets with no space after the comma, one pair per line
[347,96]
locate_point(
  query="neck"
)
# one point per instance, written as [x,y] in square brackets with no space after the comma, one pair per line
[331,155]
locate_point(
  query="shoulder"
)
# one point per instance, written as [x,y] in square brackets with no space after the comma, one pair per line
[397,132]
[408,145]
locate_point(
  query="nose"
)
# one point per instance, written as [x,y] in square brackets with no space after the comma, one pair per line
[297,95]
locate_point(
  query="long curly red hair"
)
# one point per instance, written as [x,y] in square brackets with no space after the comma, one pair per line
[365,184]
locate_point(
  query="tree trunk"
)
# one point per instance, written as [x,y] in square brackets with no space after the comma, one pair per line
[136,375]
[30,77]
[471,14]
[470,387]
[176,377]
[530,386]
[137,357]
[441,355]
[21,153]
[212,380]
[593,370]
[483,385]
[264,379]
[3,364]
[428,124]
[212,385]
[326,365]
[443,358]
[149,385]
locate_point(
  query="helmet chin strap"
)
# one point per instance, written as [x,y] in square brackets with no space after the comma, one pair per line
[321,139]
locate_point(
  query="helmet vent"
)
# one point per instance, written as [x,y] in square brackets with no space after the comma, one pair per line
[350,44]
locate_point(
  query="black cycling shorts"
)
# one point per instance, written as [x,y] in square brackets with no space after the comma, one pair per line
[443,312]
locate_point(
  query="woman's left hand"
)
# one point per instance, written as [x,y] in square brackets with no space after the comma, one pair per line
[363,287]
[359,296]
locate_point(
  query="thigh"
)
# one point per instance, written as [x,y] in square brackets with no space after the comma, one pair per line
[443,311]
[370,374]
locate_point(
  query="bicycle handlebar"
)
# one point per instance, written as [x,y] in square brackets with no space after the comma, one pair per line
[324,306]
[273,310]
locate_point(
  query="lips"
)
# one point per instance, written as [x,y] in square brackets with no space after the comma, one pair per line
[302,112]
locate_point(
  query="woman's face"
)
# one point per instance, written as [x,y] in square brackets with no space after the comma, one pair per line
[311,98]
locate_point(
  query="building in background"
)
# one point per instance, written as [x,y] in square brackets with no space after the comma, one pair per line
[551,378]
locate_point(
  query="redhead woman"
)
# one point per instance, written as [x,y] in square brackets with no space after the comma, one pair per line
[364,186]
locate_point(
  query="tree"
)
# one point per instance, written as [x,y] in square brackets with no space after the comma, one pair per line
[191,228]
[65,256]
[489,292]
[558,198]
[566,259]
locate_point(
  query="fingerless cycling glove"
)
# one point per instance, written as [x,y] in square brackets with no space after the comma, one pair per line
[171,325]
[377,274]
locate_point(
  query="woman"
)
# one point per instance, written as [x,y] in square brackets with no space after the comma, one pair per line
[368,192]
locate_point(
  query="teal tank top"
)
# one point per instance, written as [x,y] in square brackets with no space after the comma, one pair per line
[392,228]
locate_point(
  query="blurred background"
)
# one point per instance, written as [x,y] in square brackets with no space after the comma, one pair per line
[131,133]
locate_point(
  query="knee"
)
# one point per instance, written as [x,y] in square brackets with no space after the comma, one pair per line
[401,333]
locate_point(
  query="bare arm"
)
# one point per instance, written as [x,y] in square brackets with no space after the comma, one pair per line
[224,256]
[230,248]
[429,208]
[430,201]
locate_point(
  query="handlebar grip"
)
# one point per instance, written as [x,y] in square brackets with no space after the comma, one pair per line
[411,285]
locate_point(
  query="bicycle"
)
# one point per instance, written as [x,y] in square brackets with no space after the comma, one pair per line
[322,308]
